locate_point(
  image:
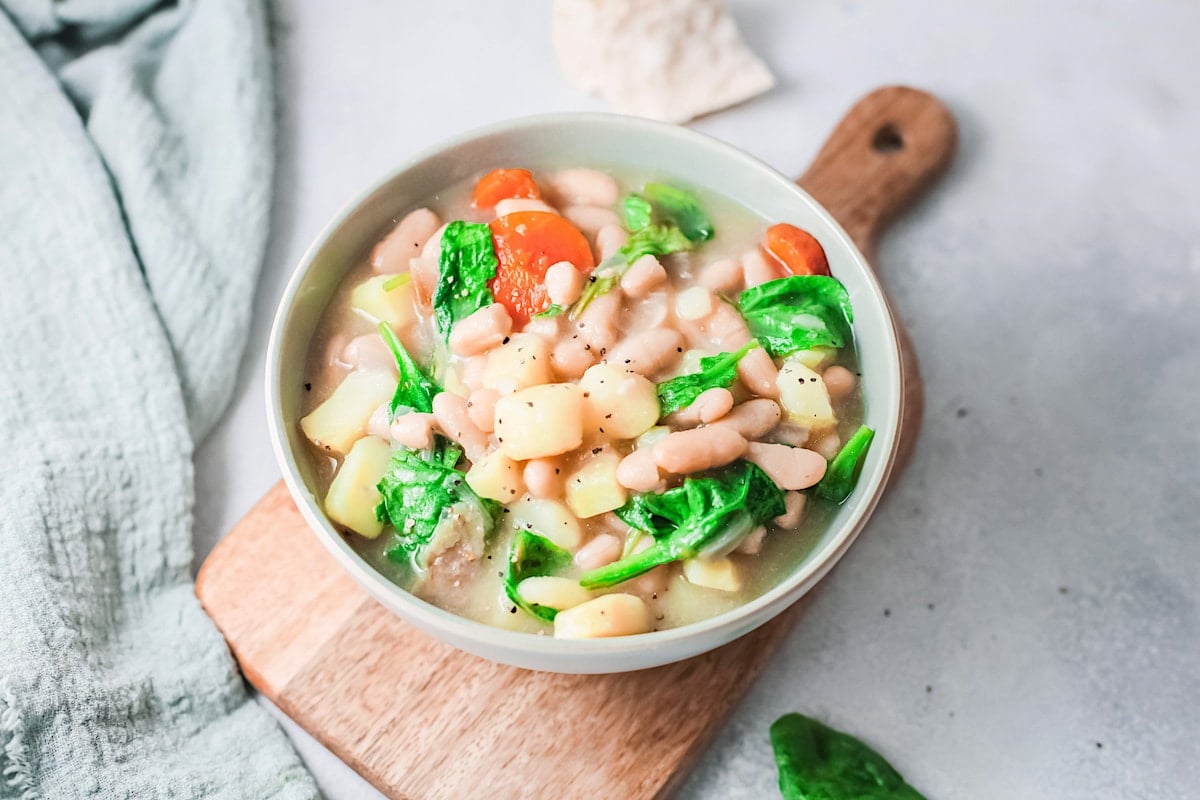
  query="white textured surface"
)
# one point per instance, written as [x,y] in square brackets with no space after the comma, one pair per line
[1052,286]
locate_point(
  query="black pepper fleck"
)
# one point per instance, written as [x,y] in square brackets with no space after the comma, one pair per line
[506,340]
[308,387]
[596,450]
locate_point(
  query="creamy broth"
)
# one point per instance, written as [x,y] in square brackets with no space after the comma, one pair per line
[347,340]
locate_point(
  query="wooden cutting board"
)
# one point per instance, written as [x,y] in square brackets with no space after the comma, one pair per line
[421,720]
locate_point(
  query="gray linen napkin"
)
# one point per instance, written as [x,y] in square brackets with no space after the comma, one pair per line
[135,167]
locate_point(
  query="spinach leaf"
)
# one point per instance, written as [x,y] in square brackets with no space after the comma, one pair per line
[635,212]
[654,240]
[798,313]
[818,763]
[706,515]
[715,372]
[532,556]
[467,263]
[843,471]
[681,208]
[415,390]
[422,492]
[552,311]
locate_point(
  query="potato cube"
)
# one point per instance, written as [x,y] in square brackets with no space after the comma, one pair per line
[393,306]
[540,421]
[523,362]
[548,518]
[803,395]
[815,358]
[342,419]
[620,403]
[352,495]
[721,574]
[594,489]
[496,477]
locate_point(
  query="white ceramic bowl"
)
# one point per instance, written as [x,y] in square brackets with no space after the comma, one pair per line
[582,139]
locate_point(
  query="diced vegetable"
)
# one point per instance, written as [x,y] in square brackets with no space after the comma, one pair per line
[798,313]
[502,184]
[540,421]
[342,419]
[814,358]
[619,404]
[495,476]
[430,506]
[706,515]
[527,243]
[531,556]
[804,396]
[373,299]
[717,371]
[414,391]
[818,763]
[353,494]
[608,615]
[798,249]
[465,267]
[594,489]
[680,208]
[550,518]
[721,574]
[844,469]
[522,362]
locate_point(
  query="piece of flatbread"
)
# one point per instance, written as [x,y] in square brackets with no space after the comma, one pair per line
[671,60]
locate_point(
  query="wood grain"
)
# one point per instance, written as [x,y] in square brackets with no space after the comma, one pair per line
[423,721]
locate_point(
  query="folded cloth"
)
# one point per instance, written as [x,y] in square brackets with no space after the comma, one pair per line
[135,167]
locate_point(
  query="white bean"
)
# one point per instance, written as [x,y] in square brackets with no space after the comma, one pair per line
[694,303]
[450,411]
[563,283]
[712,404]
[598,324]
[590,219]
[380,422]
[603,548]
[685,452]
[511,205]
[759,374]
[639,471]
[794,502]
[473,371]
[433,246]
[414,430]
[482,330]
[839,382]
[828,445]
[726,327]
[753,418]
[424,272]
[723,275]
[368,352]
[647,352]
[752,544]
[643,277]
[585,186]
[572,357]
[610,239]
[405,241]
[759,269]
[614,614]
[481,408]
[543,478]
[789,467]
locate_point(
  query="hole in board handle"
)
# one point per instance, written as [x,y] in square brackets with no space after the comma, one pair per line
[887,139]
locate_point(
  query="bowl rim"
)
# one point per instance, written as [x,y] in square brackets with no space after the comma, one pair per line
[757,611]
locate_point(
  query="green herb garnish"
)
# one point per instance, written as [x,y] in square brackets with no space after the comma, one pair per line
[843,471]
[799,312]
[414,391]
[635,212]
[680,208]
[467,263]
[717,371]
[425,497]
[705,516]
[532,556]
[396,281]
[818,763]
[551,312]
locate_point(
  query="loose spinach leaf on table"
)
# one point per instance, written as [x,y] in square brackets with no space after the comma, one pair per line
[414,391]
[842,473]
[680,208]
[422,490]
[818,763]
[715,372]
[706,515]
[798,313]
[532,556]
[467,263]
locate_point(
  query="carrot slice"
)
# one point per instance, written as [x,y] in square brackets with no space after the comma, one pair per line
[527,244]
[799,251]
[503,184]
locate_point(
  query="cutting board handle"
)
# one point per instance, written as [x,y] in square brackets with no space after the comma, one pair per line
[888,148]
